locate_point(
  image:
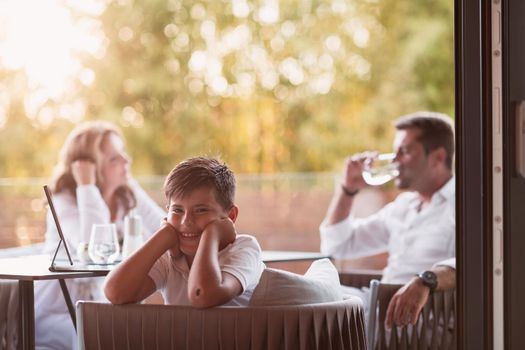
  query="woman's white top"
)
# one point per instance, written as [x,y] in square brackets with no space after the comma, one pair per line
[76,216]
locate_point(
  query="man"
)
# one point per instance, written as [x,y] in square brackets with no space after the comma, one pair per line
[418,228]
[407,302]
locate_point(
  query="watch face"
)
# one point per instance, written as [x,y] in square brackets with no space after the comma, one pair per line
[429,279]
[428,275]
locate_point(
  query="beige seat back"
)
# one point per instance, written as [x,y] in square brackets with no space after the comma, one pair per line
[434,329]
[337,325]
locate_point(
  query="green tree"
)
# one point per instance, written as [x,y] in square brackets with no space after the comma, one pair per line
[270,86]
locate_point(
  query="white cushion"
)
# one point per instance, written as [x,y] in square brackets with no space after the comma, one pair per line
[318,285]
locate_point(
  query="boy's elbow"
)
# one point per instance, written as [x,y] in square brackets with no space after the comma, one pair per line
[202,299]
[116,299]
[200,304]
[114,295]
[111,295]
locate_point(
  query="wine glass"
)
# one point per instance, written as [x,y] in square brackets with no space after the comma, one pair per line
[103,245]
[380,169]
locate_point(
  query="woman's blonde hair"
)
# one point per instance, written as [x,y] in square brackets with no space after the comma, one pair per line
[84,142]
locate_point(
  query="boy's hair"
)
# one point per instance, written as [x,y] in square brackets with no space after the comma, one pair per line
[437,130]
[201,172]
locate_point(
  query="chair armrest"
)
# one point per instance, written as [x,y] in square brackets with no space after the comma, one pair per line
[435,324]
[359,277]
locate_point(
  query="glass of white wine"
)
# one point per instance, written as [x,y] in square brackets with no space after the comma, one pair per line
[380,169]
[103,245]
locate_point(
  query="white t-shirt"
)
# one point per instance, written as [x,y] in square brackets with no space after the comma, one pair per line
[415,239]
[241,259]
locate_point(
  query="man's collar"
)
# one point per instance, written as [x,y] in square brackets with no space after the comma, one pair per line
[447,192]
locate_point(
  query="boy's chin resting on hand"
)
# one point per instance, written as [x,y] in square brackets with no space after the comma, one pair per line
[223,229]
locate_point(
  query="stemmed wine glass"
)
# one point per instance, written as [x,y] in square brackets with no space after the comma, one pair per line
[103,245]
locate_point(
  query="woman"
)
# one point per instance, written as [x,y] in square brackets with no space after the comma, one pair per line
[91,185]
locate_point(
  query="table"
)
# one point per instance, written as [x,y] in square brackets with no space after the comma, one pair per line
[27,269]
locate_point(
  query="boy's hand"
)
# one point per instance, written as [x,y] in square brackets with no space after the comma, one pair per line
[170,231]
[223,229]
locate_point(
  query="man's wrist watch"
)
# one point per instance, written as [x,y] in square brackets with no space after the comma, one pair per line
[429,279]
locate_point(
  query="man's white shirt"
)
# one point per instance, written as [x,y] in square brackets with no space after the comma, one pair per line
[415,239]
[449,262]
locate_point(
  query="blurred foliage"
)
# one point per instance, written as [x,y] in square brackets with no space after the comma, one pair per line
[270,86]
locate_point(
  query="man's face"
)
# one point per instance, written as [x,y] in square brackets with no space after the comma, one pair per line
[190,215]
[412,160]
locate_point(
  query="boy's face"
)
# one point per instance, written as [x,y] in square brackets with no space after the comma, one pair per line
[190,215]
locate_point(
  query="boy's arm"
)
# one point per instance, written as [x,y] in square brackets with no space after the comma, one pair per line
[207,285]
[129,281]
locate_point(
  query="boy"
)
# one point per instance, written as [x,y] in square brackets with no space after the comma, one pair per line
[196,257]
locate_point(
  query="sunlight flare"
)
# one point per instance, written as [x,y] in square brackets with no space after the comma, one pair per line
[43,39]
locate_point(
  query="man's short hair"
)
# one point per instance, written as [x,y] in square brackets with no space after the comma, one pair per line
[437,130]
[198,172]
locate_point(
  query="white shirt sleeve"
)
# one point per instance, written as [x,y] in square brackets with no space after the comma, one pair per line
[76,216]
[243,260]
[150,212]
[449,262]
[91,210]
[352,238]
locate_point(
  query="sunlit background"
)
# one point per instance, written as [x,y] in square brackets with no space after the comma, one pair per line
[44,43]
[273,87]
